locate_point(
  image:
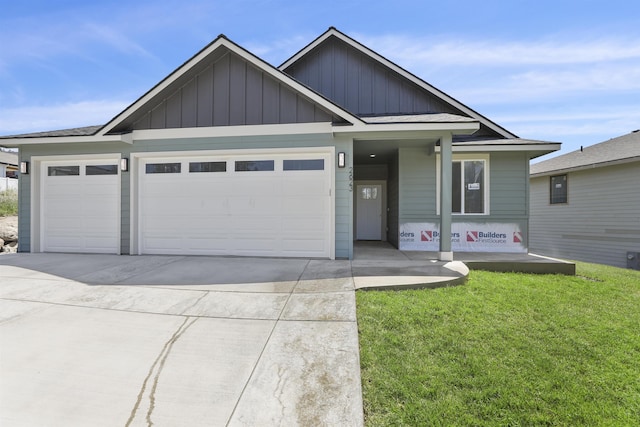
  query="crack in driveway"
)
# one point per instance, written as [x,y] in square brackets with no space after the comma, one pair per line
[159,363]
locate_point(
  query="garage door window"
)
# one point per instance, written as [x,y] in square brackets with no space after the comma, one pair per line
[303,165]
[102,170]
[163,168]
[208,167]
[63,170]
[254,165]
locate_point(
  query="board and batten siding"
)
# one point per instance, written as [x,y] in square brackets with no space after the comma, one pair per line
[600,222]
[361,84]
[508,180]
[343,196]
[229,91]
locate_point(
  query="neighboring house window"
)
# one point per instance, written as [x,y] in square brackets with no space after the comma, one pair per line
[470,184]
[558,190]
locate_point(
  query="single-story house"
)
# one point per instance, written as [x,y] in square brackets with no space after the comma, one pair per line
[585,205]
[229,155]
[8,164]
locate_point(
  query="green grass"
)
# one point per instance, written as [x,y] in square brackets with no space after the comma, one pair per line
[505,349]
[8,203]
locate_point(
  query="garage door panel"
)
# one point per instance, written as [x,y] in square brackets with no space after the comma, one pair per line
[300,187]
[80,213]
[304,206]
[268,213]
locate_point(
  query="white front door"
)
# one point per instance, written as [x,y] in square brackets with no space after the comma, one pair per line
[369,212]
[80,206]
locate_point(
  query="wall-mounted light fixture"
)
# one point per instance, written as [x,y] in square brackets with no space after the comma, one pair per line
[124,164]
[341,159]
[24,168]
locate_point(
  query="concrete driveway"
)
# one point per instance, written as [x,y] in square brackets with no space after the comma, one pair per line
[92,340]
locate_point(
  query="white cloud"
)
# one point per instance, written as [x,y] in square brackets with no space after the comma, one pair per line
[411,50]
[61,116]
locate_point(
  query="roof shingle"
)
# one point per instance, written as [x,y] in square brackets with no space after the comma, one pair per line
[622,148]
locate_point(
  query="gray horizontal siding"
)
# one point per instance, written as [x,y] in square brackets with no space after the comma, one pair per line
[600,222]
[416,185]
[509,181]
[508,176]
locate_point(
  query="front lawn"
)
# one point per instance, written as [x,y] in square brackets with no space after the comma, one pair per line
[505,349]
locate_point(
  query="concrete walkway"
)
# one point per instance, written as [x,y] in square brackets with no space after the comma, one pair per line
[193,341]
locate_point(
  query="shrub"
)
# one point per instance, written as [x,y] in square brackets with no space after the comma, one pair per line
[8,203]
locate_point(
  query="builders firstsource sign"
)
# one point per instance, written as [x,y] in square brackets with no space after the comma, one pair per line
[465,237]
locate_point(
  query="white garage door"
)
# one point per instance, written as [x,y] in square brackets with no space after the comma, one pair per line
[260,205]
[80,206]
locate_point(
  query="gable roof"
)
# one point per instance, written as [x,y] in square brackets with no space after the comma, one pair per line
[623,149]
[458,108]
[160,95]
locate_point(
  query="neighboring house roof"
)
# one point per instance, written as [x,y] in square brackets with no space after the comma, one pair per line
[623,149]
[290,66]
[83,131]
[7,158]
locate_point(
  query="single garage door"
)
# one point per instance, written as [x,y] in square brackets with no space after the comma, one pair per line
[253,205]
[80,206]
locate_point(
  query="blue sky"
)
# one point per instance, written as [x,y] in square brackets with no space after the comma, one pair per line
[559,70]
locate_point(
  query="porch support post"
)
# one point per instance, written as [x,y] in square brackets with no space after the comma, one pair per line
[445,253]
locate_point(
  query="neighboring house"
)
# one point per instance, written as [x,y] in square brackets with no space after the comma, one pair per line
[230,155]
[8,164]
[8,171]
[585,205]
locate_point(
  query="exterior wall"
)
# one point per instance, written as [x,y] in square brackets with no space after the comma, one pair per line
[393,202]
[343,197]
[361,84]
[601,221]
[508,191]
[228,92]
[364,86]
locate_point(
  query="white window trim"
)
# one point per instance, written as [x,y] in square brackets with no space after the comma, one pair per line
[487,187]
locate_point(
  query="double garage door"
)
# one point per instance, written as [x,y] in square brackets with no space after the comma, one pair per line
[251,205]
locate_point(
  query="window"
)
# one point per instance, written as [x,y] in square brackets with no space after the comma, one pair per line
[468,187]
[558,190]
[163,168]
[369,193]
[102,170]
[208,167]
[64,170]
[254,165]
[303,165]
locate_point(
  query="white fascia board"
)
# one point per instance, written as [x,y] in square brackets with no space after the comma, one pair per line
[406,130]
[231,131]
[533,148]
[258,63]
[421,83]
[15,142]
